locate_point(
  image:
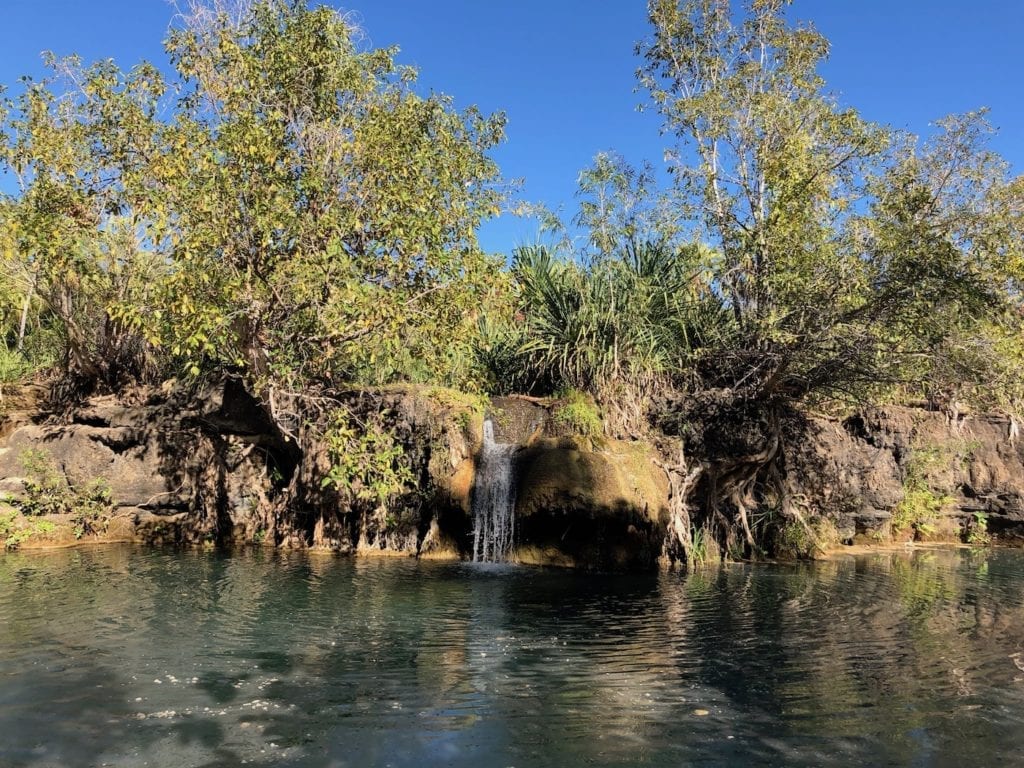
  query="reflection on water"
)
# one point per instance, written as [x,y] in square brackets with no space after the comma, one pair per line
[131,657]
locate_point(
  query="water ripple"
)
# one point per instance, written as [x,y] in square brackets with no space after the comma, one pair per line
[124,656]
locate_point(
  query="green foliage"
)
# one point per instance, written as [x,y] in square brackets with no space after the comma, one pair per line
[15,534]
[91,508]
[13,366]
[502,356]
[617,326]
[800,539]
[795,540]
[298,211]
[619,206]
[977,534]
[577,412]
[368,460]
[467,407]
[454,400]
[48,492]
[73,239]
[849,256]
[8,522]
[324,198]
[704,550]
[921,505]
[46,489]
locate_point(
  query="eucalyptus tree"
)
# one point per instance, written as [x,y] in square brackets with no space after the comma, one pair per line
[620,206]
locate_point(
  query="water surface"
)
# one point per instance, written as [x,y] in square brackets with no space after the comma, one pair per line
[129,657]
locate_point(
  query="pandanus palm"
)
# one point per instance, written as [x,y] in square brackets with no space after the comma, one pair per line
[618,324]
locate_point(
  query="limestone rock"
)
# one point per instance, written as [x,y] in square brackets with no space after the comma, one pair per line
[594,506]
[855,469]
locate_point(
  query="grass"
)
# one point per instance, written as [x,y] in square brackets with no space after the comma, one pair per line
[578,413]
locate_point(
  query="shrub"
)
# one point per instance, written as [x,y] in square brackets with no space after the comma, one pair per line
[48,492]
[918,510]
[92,505]
[804,541]
[13,366]
[921,505]
[16,531]
[368,461]
[977,534]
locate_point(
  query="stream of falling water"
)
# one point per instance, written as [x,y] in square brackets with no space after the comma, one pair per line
[493,501]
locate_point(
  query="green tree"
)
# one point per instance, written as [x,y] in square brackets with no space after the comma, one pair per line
[620,205]
[848,257]
[944,247]
[289,206]
[321,214]
[74,237]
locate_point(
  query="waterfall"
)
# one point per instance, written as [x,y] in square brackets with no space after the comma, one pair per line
[493,501]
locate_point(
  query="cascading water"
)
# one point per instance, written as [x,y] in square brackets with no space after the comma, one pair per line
[493,501]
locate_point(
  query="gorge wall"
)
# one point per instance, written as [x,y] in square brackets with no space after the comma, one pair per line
[213,470]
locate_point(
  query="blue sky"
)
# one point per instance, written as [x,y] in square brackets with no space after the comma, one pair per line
[563,69]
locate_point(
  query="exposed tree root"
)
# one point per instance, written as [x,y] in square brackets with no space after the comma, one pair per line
[682,478]
[722,496]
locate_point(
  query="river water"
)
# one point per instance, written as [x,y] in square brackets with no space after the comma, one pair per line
[131,657]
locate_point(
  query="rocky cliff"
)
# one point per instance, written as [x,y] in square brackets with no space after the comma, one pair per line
[861,468]
[212,469]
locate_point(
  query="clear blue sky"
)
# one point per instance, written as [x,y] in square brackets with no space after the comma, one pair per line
[563,69]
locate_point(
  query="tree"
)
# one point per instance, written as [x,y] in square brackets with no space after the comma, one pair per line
[943,244]
[847,256]
[322,214]
[75,236]
[619,207]
[288,207]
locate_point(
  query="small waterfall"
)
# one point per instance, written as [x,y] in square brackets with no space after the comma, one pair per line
[493,501]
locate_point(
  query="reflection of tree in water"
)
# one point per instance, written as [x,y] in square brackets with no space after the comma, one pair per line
[292,659]
[889,657]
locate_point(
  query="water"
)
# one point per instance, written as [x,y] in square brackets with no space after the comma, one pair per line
[493,501]
[128,657]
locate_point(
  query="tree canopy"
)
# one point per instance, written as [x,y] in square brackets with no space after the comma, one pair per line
[845,250]
[289,206]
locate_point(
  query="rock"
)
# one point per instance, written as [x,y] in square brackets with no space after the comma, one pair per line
[594,507]
[856,469]
[160,460]
[213,469]
[518,421]
[123,456]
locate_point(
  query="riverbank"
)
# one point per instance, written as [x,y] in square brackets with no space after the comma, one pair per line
[209,469]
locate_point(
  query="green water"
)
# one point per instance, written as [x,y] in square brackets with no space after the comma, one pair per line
[129,657]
